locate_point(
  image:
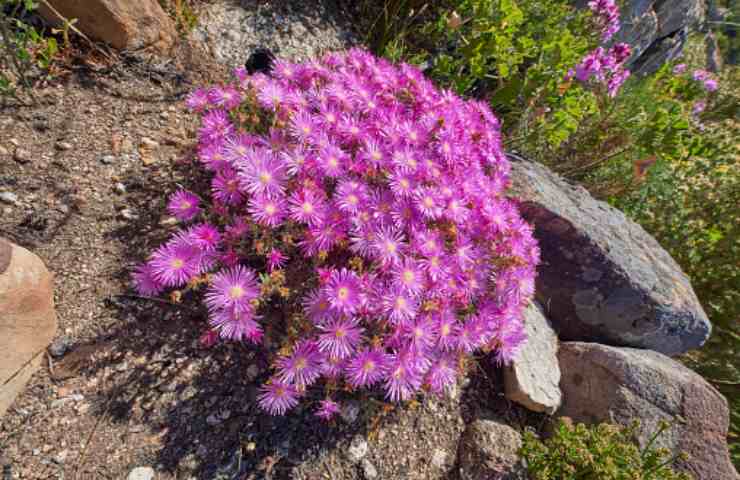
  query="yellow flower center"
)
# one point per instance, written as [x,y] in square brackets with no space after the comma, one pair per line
[400,303]
[265,177]
[300,364]
[343,293]
[333,162]
[445,330]
[390,247]
[404,183]
[428,202]
[307,207]
[177,263]
[368,366]
[185,205]
[270,209]
[408,276]
[340,333]
[236,292]
[353,199]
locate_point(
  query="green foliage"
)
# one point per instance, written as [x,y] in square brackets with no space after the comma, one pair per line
[514,53]
[24,47]
[601,452]
[183,12]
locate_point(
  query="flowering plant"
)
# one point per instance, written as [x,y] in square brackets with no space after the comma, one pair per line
[372,206]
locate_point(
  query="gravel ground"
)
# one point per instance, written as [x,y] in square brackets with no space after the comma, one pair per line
[294,30]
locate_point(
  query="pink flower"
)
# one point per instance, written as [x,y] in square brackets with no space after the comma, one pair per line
[184,205]
[328,409]
[344,292]
[277,397]
[234,288]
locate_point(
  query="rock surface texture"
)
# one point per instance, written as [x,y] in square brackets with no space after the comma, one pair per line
[533,378]
[489,450]
[656,29]
[602,383]
[602,277]
[122,23]
[27,319]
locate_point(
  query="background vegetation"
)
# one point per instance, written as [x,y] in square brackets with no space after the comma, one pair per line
[649,152]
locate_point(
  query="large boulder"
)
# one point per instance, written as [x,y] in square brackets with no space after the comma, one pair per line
[602,277]
[533,377]
[124,24]
[620,385]
[27,319]
[489,450]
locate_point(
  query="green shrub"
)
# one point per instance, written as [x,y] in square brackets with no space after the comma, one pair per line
[23,47]
[601,452]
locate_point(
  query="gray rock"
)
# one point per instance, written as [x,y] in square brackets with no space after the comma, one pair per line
[489,450]
[532,379]
[60,346]
[358,448]
[656,30]
[60,457]
[64,146]
[369,470]
[141,473]
[22,155]
[602,277]
[350,410]
[107,159]
[620,385]
[9,198]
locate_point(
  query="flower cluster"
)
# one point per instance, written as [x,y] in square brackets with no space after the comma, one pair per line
[706,79]
[605,67]
[602,66]
[606,13]
[389,191]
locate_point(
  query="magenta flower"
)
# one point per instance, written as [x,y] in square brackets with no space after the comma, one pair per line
[277,397]
[367,368]
[184,205]
[442,375]
[268,210]
[328,409]
[679,69]
[339,337]
[344,292]
[173,265]
[234,288]
[236,325]
[409,277]
[306,206]
[146,282]
[262,173]
[275,260]
[303,366]
[403,379]
[711,85]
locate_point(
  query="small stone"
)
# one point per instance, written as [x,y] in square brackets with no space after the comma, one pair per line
[107,159]
[141,473]
[60,457]
[253,372]
[127,214]
[439,458]
[213,419]
[350,411]
[119,188]
[22,156]
[9,197]
[358,448]
[36,452]
[148,142]
[60,346]
[3,151]
[64,146]
[369,470]
[168,221]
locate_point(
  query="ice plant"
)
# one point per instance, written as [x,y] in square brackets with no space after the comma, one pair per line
[366,205]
